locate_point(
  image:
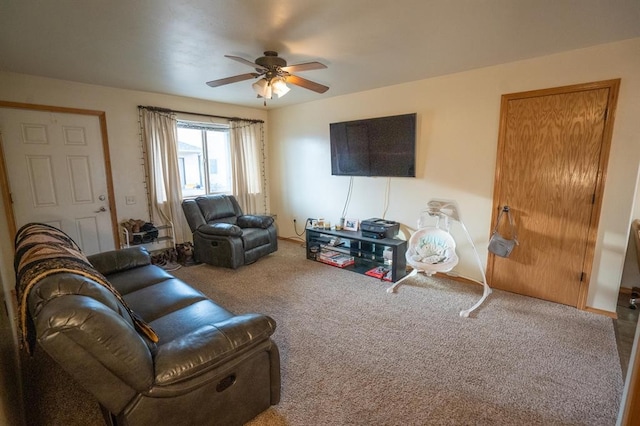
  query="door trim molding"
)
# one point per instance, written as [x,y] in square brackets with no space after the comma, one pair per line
[614,87]
[4,181]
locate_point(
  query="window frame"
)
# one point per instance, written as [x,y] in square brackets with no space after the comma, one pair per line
[203,158]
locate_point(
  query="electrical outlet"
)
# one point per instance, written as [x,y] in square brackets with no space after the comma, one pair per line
[130,199]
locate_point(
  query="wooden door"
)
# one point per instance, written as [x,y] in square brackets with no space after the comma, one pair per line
[552,155]
[56,174]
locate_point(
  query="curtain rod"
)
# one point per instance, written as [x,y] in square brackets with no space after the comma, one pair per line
[158,109]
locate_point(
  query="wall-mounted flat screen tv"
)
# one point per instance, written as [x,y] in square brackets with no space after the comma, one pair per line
[384,146]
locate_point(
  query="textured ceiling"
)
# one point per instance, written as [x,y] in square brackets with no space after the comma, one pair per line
[175,46]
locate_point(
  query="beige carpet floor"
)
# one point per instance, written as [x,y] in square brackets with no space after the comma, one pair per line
[353,354]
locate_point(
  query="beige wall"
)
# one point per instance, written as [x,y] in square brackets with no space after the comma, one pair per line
[458,119]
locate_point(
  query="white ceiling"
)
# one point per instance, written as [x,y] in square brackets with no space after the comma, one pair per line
[175,46]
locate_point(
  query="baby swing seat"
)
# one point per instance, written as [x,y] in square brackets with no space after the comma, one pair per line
[432,249]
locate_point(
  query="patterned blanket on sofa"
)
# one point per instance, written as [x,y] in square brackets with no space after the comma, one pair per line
[42,251]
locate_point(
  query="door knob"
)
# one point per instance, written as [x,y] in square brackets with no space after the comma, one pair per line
[100,210]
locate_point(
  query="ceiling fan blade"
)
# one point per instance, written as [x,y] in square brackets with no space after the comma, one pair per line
[234,79]
[246,62]
[307,66]
[307,84]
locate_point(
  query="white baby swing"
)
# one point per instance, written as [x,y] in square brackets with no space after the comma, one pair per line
[432,248]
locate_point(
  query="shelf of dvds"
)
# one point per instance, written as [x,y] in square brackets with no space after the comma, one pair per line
[380,258]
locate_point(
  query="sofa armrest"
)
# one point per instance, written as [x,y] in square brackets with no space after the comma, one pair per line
[98,347]
[209,346]
[254,221]
[120,260]
[192,213]
[221,229]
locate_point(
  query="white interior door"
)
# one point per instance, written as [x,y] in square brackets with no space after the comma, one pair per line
[56,172]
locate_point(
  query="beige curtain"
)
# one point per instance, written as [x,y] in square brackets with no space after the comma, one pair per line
[247,160]
[160,135]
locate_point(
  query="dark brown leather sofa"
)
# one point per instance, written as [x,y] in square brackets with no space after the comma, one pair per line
[224,236]
[209,367]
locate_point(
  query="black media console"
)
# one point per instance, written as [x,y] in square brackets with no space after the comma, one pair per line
[351,251]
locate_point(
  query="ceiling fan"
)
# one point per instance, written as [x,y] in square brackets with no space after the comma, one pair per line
[275,74]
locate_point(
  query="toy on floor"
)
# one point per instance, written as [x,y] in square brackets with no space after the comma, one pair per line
[432,249]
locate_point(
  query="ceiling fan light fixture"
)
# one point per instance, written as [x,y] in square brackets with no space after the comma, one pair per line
[273,74]
[262,88]
[279,87]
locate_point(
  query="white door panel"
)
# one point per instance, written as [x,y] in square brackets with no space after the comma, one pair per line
[56,173]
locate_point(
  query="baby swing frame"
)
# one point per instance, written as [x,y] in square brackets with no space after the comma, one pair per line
[447,210]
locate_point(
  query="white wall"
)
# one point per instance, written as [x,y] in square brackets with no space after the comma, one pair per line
[458,118]
[631,270]
[11,407]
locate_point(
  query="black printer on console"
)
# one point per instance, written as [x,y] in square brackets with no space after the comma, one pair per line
[379,228]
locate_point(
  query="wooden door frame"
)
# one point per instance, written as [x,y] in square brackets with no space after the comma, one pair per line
[4,180]
[592,234]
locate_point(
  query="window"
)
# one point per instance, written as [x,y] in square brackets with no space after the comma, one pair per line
[204,158]
[181,169]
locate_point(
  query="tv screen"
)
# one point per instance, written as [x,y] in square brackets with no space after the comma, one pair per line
[383,146]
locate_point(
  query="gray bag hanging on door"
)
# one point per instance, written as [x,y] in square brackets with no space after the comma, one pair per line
[499,245]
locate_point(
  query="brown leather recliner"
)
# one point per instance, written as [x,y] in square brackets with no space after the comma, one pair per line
[224,236]
[209,367]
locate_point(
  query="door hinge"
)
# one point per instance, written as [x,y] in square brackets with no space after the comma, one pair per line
[581,276]
[606,114]
[11,198]
[593,199]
